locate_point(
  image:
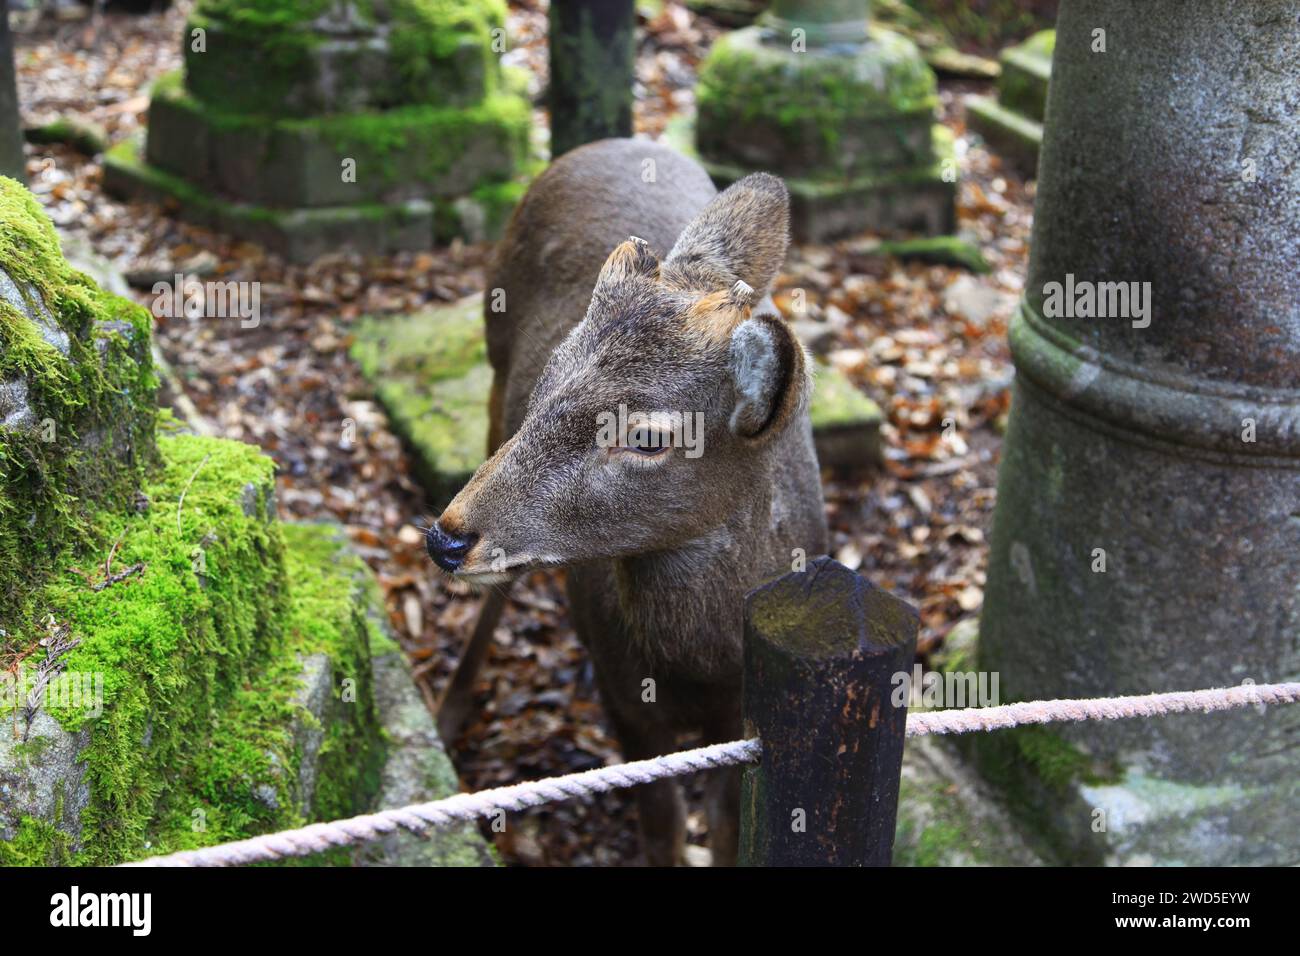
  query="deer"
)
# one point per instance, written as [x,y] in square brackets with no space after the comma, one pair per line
[627,287]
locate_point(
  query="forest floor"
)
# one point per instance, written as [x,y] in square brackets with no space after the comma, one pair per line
[927,342]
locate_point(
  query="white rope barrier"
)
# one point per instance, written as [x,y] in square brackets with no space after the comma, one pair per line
[470,806]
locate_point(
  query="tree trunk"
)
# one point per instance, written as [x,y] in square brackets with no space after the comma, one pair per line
[11,126]
[592,58]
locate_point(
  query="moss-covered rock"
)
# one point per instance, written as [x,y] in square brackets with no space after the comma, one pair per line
[309,57]
[947,816]
[1026,70]
[939,250]
[229,680]
[815,112]
[849,125]
[1013,123]
[82,135]
[76,403]
[846,423]
[311,126]
[430,372]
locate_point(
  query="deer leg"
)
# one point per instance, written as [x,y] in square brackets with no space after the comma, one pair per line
[458,700]
[660,806]
[722,806]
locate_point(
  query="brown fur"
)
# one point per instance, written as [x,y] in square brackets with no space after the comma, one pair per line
[660,552]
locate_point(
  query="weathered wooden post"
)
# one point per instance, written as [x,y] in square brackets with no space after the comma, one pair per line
[592,45]
[11,127]
[822,648]
[1147,533]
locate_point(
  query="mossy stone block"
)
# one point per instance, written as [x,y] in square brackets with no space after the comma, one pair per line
[939,250]
[76,401]
[430,372]
[1026,70]
[331,76]
[846,423]
[1013,123]
[375,157]
[731,13]
[819,112]
[1011,135]
[312,58]
[299,235]
[911,199]
[84,136]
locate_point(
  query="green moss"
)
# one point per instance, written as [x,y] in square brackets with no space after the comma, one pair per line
[430,372]
[838,403]
[939,250]
[36,843]
[813,94]
[89,438]
[82,135]
[261,56]
[201,655]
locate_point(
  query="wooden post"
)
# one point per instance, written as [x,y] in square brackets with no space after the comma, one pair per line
[11,126]
[592,46]
[822,648]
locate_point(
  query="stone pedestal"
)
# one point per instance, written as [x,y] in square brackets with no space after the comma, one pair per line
[1147,535]
[1012,124]
[842,109]
[369,127]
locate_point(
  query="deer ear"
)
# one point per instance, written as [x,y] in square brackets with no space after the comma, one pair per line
[769,373]
[630,258]
[741,235]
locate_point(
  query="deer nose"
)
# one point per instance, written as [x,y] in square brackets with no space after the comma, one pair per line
[448,550]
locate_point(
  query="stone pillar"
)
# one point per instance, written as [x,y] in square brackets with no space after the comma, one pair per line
[1147,534]
[841,108]
[11,126]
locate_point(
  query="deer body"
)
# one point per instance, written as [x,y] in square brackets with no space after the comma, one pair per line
[660,547]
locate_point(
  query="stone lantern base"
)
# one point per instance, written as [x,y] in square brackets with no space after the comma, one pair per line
[850,127]
[354,131]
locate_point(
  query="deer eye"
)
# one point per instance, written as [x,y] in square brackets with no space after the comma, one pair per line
[647,441]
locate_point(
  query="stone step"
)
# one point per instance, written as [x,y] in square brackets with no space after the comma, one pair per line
[429,370]
[301,235]
[1026,70]
[347,159]
[1013,123]
[1014,137]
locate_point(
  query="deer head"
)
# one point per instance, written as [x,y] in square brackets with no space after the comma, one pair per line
[656,417]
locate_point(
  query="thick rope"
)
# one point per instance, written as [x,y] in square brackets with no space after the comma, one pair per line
[461,807]
[470,806]
[1101,708]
